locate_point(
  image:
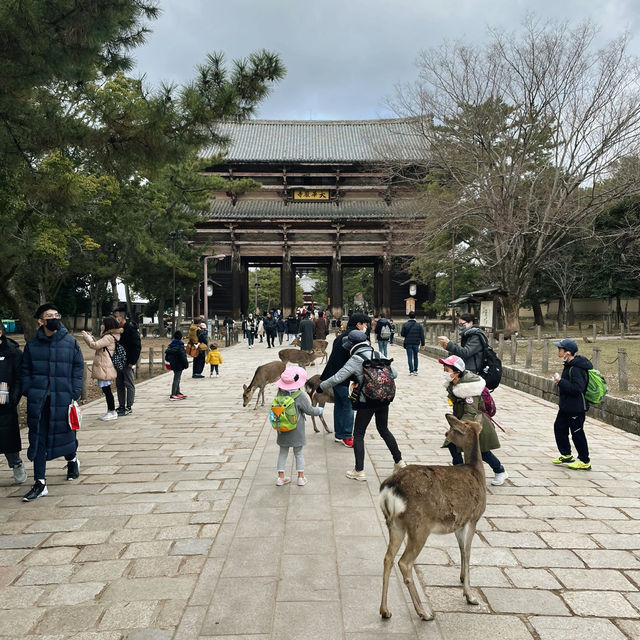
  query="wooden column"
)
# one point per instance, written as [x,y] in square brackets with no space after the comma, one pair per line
[385,306]
[239,285]
[287,283]
[335,286]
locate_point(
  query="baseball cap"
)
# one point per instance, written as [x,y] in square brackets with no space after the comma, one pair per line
[453,361]
[568,345]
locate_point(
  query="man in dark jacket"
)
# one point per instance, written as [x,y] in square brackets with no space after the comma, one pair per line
[306,333]
[125,380]
[413,335]
[572,406]
[343,411]
[176,356]
[52,370]
[382,334]
[10,392]
[270,330]
[472,343]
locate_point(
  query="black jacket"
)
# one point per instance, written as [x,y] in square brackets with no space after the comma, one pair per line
[130,340]
[338,357]
[176,356]
[573,384]
[10,372]
[412,332]
[471,348]
[270,325]
[381,323]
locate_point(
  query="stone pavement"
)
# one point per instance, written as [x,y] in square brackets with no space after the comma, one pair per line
[176,529]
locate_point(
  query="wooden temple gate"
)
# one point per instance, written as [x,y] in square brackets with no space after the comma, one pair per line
[325,201]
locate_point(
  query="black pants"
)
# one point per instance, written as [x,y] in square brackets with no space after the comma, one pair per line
[565,423]
[271,339]
[198,363]
[108,394]
[363,418]
[214,367]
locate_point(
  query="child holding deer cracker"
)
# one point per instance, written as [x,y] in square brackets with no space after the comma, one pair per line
[287,416]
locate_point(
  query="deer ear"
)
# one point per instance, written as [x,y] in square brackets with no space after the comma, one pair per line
[244,386]
[454,423]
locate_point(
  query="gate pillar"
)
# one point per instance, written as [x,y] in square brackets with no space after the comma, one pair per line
[382,286]
[239,285]
[287,284]
[335,286]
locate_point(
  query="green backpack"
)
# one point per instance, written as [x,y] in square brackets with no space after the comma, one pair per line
[284,416]
[596,387]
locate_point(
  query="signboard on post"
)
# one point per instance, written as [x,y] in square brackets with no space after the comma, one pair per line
[486,314]
[410,305]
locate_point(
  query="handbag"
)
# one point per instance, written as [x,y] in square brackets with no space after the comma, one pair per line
[75,415]
[192,350]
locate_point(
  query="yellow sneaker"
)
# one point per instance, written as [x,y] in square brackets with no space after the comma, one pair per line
[578,464]
[563,459]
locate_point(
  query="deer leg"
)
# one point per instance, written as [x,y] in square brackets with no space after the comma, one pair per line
[465,537]
[258,398]
[415,543]
[324,424]
[396,536]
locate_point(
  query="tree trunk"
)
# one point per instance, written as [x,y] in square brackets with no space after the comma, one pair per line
[511,307]
[114,293]
[571,314]
[127,296]
[161,306]
[19,308]
[560,315]
[538,316]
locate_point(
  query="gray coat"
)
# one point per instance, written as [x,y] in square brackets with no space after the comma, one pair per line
[353,368]
[297,437]
[471,348]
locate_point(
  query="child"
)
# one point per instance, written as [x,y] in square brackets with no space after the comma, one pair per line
[176,356]
[214,359]
[103,370]
[290,382]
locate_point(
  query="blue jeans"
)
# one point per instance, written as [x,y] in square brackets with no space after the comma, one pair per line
[487,456]
[412,357]
[250,337]
[382,347]
[342,412]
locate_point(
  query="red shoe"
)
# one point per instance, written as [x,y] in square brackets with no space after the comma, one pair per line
[181,396]
[347,442]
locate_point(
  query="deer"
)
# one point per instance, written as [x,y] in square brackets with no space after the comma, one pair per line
[320,399]
[296,356]
[263,375]
[419,500]
[319,346]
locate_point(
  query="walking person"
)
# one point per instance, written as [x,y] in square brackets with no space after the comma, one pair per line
[392,326]
[572,406]
[383,334]
[291,383]
[125,379]
[260,329]
[359,349]
[214,360]
[10,392]
[413,334]
[306,333]
[102,369]
[472,343]
[321,327]
[176,356]
[52,370]
[464,390]
[250,328]
[342,409]
[270,329]
[281,327]
[292,327]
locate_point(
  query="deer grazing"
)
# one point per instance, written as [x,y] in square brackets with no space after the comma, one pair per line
[419,500]
[319,346]
[321,399]
[296,356]
[263,375]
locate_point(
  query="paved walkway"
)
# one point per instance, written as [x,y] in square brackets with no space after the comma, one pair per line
[176,529]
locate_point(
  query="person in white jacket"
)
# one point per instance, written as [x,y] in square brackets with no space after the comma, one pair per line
[360,349]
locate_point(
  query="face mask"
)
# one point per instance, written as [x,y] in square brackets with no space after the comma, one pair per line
[53,324]
[446,376]
[461,329]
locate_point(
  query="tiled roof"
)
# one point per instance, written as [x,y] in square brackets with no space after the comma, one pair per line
[321,141]
[277,210]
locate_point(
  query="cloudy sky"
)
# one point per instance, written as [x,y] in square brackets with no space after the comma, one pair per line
[344,57]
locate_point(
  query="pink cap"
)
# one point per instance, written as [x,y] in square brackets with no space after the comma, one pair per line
[292,378]
[453,361]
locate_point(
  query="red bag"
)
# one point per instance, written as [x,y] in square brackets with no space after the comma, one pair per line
[75,415]
[489,404]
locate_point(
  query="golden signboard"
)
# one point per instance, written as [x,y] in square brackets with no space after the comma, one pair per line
[307,194]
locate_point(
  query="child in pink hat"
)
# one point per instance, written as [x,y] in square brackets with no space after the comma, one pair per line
[292,383]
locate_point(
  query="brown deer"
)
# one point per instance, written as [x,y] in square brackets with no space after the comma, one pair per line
[263,375]
[321,399]
[296,356]
[419,500]
[319,346]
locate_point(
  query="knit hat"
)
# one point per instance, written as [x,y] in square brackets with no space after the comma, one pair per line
[353,338]
[453,361]
[292,378]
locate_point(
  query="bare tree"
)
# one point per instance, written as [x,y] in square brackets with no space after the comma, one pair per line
[523,134]
[568,275]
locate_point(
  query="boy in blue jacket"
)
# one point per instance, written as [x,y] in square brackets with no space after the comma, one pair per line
[176,356]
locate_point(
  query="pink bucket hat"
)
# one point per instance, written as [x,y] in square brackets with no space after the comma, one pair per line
[453,361]
[292,378]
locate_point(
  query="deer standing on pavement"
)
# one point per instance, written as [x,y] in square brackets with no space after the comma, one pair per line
[419,500]
[263,375]
[296,356]
[320,399]
[319,346]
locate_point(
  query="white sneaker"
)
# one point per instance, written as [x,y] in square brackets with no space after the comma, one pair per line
[282,481]
[302,481]
[356,475]
[110,415]
[399,465]
[499,478]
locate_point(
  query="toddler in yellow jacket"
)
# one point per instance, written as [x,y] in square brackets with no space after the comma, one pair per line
[214,359]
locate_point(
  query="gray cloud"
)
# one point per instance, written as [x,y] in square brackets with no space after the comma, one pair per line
[342,57]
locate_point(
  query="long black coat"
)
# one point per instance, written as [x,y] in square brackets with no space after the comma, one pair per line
[306,334]
[52,366]
[10,370]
